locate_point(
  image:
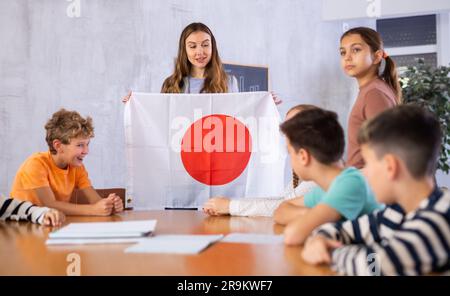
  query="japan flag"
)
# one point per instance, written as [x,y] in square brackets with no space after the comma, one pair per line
[183,149]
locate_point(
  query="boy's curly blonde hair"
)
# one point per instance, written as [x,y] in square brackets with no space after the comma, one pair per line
[66,125]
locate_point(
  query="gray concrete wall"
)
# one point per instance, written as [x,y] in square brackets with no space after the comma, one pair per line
[49,60]
[350,9]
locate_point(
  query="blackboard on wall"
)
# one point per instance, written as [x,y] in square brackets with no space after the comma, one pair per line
[250,78]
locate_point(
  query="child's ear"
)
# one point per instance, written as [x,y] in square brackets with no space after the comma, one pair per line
[378,56]
[57,145]
[304,156]
[392,166]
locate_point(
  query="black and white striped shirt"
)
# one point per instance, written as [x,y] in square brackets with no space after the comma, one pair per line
[388,242]
[13,209]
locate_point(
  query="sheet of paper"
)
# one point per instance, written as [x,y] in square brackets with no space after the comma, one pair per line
[174,244]
[211,238]
[91,241]
[125,229]
[253,238]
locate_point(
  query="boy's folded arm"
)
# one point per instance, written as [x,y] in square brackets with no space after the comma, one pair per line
[330,231]
[377,259]
[13,209]
[363,230]
[416,248]
[288,210]
[299,229]
[47,198]
[91,195]
[297,201]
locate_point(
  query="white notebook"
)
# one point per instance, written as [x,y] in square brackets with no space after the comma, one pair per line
[126,229]
[93,241]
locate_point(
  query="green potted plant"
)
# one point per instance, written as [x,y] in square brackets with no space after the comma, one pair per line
[429,87]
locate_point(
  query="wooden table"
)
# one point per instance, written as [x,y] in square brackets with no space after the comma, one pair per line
[23,250]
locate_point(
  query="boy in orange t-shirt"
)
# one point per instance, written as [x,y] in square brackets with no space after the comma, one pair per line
[49,178]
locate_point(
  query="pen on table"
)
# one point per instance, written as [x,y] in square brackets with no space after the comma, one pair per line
[188,209]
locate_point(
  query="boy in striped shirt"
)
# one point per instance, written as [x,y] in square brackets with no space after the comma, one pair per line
[411,236]
[13,209]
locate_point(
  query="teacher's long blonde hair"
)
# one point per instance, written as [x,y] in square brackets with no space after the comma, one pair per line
[215,77]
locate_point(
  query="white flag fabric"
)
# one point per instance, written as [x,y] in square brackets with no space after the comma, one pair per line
[183,149]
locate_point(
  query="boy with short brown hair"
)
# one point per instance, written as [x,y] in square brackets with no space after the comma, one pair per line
[49,178]
[412,235]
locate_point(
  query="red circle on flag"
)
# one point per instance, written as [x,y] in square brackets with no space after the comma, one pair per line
[216,149]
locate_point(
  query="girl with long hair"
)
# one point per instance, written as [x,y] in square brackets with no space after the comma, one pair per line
[198,68]
[363,58]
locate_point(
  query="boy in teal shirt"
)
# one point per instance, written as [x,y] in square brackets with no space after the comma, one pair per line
[316,143]
[345,194]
